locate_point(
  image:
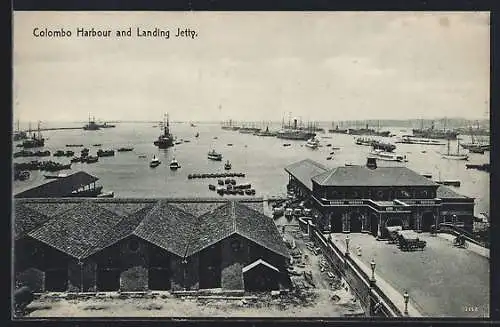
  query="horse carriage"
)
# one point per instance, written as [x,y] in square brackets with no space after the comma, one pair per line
[405,239]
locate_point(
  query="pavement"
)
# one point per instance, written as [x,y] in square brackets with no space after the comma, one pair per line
[442,280]
[482,251]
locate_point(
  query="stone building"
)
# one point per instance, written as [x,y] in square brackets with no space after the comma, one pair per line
[147,244]
[369,198]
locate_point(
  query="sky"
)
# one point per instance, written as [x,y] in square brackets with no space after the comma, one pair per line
[253,66]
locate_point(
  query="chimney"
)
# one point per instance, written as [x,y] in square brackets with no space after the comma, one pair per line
[295,123]
[371,163]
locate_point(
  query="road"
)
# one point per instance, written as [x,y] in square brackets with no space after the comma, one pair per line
[442,280]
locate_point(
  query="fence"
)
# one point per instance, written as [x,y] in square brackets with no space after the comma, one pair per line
[372,298]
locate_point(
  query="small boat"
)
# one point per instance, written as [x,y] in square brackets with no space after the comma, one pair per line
[105,153]
[187,141]
[476,150]
[328,145]
[55,176]
[286,144]
[22,175]
[177,142]
[312,143]
[227,165]
[142,156]
[59,153]
[91,159]
[193,125]
[387,156]
[211,187]
[332,153]
[455,156]
[215,137]
[76,159]
[483,167]
[335,148]
[74,145]
[174,165]
[212,155]
[97,144]
[109,194]
[328,158]
[125,149]
[230,144]
[155,162]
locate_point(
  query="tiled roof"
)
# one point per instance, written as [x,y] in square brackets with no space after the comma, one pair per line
[444,192]
[26,219]
[50,209]
[167,227]
[90,225]
[363,176]
[78,230]
[124,228]
[237,218]
[59,188]
[305,170]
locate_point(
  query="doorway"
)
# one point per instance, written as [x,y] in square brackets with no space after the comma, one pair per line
[355,222]
[427,221]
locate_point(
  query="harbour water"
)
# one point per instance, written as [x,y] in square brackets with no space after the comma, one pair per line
[262,159]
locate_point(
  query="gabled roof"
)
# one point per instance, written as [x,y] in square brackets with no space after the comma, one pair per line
[235,218]
[259,262]
[77,230]
[444,192]
[167,227]
[88,226]
[26,219]
[59,188]
[305,170]
[363,176]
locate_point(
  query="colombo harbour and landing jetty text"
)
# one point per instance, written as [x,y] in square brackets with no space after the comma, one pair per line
[155,32]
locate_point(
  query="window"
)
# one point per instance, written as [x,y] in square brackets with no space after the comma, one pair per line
[236,245]
[133,245]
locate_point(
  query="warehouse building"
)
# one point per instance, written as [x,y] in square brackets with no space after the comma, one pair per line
[147,244]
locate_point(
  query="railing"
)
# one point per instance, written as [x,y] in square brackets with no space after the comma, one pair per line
[360,282]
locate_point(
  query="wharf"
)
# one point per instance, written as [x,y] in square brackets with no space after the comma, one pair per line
[55,129]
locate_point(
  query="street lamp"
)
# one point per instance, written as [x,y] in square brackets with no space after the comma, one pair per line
[347,240]
[372,265]
[184,275]
[407,297]
[454,220]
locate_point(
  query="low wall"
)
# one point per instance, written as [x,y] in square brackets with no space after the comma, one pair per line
[372,298]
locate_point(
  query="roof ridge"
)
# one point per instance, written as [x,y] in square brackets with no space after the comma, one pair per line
[329,175]
[233,215]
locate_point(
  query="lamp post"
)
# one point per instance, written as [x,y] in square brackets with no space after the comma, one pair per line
[407,297]
[184,264]
[454,220]
[372,265]
[80,263]
[347,240]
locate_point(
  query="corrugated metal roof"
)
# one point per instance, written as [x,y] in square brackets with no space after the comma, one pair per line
[363,176]
[60,187]
[305,170]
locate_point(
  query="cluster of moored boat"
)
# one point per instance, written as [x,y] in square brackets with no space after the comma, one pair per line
[229,187]
[215,175]
[41,165]
[26,153]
